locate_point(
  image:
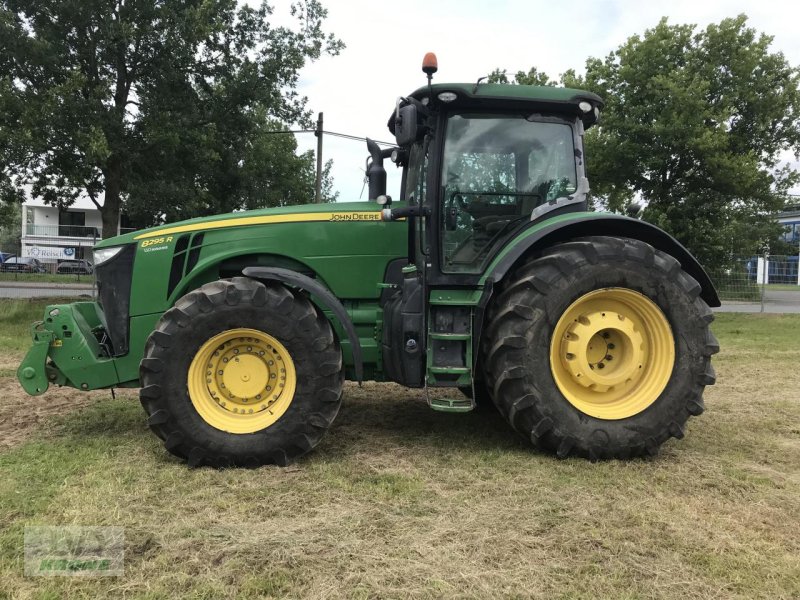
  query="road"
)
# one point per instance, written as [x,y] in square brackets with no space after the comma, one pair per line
[32,289]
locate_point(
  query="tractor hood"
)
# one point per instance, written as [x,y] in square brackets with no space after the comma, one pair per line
[345,246]
[343,211]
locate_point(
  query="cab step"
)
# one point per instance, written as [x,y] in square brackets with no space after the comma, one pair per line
[461,405]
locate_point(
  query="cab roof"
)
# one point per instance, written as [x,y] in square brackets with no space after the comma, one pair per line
[510,96]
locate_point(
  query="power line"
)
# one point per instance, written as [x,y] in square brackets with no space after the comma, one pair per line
[346,136]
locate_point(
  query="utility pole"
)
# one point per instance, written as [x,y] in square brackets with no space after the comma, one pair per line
[318,186]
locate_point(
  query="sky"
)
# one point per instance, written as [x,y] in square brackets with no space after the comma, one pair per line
[386,41]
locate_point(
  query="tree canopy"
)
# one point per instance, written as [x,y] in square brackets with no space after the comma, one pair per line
[696,124]
[163,104]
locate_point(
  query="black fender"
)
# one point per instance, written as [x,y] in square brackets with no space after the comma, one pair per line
[324,296]
[586,224]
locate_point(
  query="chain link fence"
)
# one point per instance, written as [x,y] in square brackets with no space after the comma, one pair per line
[762,283]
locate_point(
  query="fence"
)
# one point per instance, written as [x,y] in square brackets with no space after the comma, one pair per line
[759,283]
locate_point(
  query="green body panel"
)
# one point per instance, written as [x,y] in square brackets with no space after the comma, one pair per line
[455,297]
[349,256]
[345,246]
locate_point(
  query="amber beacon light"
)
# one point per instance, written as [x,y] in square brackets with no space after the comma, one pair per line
[429,64]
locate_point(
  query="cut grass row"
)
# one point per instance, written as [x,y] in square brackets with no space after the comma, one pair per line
[399,501]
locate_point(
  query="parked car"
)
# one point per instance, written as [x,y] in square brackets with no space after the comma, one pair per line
[24,264]
[4,256]
[79,267]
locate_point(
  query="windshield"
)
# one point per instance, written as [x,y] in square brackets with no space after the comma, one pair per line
[496,169]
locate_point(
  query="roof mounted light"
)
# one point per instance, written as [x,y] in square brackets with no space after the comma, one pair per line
[585,106]
[447,96]
[429,64]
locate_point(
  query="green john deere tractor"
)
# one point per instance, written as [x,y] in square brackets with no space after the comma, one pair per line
[489,277]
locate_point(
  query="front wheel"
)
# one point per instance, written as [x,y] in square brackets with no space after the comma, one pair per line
[239,373]
[600,348]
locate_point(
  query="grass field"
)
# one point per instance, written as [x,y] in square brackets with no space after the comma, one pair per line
[399,501]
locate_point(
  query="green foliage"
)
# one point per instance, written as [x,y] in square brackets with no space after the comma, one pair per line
[10,226]
[163,104]
[532,77]
[695,124]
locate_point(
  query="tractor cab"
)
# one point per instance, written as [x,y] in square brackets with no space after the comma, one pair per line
[481,162]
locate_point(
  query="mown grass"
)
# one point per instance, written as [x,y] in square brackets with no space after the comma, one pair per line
[399,501]
[783,287]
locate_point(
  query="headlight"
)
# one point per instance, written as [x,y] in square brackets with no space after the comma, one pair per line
[102,255]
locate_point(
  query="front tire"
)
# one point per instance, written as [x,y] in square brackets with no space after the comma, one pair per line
[239,373]
[600,348]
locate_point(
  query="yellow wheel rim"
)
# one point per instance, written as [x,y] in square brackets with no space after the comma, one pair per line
[242,381]
[612,353]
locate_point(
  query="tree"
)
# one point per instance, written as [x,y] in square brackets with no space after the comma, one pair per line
[259,170]
[10,220]
[695,124]
[126,97]
[532,77]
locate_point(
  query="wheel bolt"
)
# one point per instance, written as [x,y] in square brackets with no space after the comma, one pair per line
[611,346]
[600,366]
[609,357]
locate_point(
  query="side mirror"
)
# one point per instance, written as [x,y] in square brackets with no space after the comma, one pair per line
[405,125]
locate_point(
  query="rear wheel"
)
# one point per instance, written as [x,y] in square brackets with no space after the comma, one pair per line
[600,348]
[241,373]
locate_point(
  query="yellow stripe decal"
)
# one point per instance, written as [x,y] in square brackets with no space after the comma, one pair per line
[266,219]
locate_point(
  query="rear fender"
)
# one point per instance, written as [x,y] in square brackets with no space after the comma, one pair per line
[575,225]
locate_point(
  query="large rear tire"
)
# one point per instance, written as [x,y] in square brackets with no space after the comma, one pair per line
[239,373]
[599,348]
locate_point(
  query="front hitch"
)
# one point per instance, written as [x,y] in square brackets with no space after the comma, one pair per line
[33,373]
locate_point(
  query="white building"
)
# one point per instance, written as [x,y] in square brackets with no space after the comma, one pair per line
[50,234]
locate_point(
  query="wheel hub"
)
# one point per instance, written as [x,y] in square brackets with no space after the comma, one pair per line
[612,353]
[602,350]
[242,380]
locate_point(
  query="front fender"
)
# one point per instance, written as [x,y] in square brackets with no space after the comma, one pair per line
[325,297]
[545,233]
